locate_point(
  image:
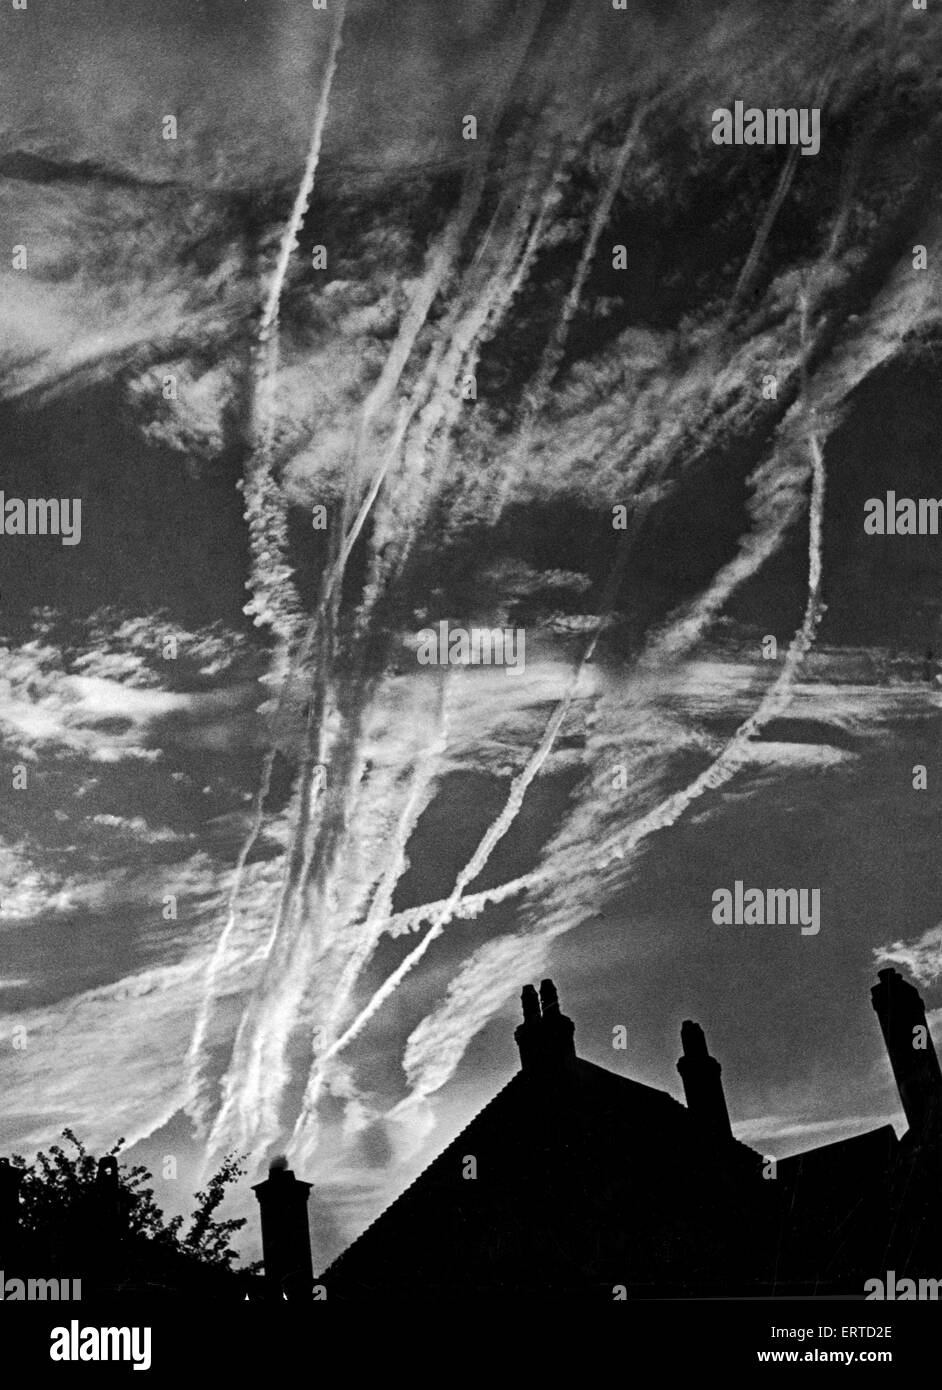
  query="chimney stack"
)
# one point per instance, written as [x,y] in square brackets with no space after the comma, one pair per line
[286,1235]
[546,1036]
[912,1054]
[703,1087]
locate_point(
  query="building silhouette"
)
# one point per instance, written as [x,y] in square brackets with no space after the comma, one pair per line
[575,1182]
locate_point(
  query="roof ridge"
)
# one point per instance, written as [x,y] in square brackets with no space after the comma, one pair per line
[422,1172]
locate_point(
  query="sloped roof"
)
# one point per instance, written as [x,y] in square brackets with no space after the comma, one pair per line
[556,1163]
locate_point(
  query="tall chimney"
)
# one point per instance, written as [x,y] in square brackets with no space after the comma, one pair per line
[912,1054]
[546,1036]
[703,1087]
[286,1235]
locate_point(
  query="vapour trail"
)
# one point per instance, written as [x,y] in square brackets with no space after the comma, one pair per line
[762,235]
[493,289]
[471,905]
[735,753]
[682,631]
[253,1041]
[264,507]
[502,823]
[487,307]
[441,414]
[197,1102]
[439,266]
[782,188]
[775,700]
[475,865]
[289,240]
[260,483]
[777,697]
[494,296]
[851,368]
[556,345]
[391,375]
[371,930]
[409,329]
[472,193]
[664,445]
[246,1077]
[720,771]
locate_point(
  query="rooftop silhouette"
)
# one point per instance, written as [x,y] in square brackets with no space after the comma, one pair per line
[576,1182]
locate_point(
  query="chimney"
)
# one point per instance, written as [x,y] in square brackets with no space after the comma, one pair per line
[913,1057]
[546,1036]
[703,1087]
[10,1179]
[286,1235]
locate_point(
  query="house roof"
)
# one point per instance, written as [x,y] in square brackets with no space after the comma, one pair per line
[553,1160]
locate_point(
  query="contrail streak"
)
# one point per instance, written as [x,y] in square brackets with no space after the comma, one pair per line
[295,222]
[439,265]
[485,309]
[423,782]
[475,865]
[748,271]
[245,1075]
[686,630]
[264,507]
[553,352]
[721,769]
[260,483]
[483,317]
[775,700]
[471,905]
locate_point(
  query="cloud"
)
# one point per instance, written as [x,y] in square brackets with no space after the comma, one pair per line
[767,1131]
[921,957]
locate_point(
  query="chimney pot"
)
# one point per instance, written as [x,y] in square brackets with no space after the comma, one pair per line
[545,1038]
[900,1009]
[703,1086]
[531,1003]
[549,999]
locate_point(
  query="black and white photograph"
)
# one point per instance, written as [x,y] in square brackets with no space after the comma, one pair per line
[470,673]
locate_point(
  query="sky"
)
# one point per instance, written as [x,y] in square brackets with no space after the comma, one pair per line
[323,373]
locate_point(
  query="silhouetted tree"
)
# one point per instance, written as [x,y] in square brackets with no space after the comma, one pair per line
[58,1213]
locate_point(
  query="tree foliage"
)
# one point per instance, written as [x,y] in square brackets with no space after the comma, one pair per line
[59,1188]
